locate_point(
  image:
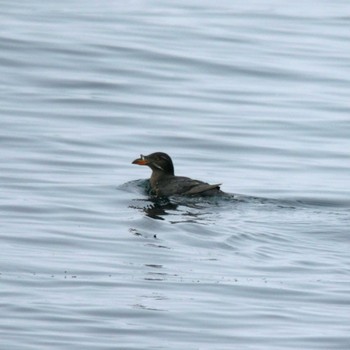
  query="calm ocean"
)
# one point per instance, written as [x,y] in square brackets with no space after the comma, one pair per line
[251,94]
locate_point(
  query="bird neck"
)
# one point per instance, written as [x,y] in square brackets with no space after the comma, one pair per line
[156,176]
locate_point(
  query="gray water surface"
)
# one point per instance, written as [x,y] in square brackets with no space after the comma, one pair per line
[253,95]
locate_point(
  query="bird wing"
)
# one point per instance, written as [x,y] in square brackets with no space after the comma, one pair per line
[203,187]
[186,186]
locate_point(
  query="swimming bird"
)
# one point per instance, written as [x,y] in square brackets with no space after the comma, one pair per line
[165,183]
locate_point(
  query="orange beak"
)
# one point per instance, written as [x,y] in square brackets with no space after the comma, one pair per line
[141,161]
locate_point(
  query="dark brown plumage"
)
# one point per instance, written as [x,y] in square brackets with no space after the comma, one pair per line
[164,182]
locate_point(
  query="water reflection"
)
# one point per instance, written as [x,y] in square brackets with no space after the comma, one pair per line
[157,208]
[176,210]
[197,209]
